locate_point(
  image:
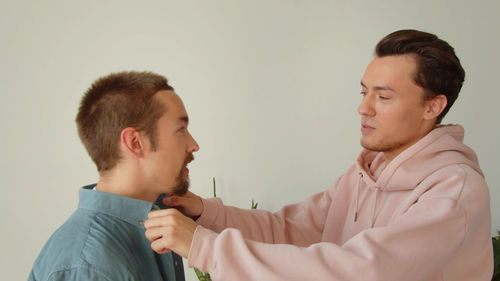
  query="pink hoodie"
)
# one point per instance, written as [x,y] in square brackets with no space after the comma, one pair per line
[426,216]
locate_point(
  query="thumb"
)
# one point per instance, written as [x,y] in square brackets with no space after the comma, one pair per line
[170,200]
[173,200]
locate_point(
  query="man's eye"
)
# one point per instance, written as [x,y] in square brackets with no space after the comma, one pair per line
[383,97]
[363,93]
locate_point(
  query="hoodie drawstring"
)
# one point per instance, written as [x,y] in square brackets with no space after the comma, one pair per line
[377,189]
[374,206]
[357,197]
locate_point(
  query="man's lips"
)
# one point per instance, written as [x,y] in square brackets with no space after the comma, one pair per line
[366,128]
[189,159]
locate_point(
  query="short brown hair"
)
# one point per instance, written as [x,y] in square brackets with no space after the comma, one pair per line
[113,103]
[438,68]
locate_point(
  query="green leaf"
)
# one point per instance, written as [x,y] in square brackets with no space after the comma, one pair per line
[496,255]
[254,204]
[215,194]
[201,275]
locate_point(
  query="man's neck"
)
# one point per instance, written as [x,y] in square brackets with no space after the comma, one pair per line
[125,184]
[390,155]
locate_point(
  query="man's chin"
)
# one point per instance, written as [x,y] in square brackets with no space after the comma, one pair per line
[182,187]
[372,147]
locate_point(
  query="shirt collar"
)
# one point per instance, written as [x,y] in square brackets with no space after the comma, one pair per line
[128,209]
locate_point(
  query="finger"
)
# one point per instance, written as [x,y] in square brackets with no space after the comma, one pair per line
[187,194]
[161,213]
[175,201]
[173,217]
[159,222]
[155,233]
[159,246]
[170,201]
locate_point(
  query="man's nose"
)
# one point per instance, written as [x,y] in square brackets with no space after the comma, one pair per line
[193,145]
[366,107]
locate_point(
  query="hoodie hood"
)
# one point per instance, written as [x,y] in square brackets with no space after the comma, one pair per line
[444,145]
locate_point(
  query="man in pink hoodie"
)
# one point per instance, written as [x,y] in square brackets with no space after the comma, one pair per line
[414,206]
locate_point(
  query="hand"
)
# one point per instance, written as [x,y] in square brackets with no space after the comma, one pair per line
[189,204]
[169,230]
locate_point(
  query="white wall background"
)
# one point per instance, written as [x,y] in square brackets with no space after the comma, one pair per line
[271,88]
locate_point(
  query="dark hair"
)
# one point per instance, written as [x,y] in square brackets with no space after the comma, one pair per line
[438,68]
[113,103]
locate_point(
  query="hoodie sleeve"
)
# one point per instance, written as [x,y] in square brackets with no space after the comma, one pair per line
[299,224]
[418,244]
[413,248]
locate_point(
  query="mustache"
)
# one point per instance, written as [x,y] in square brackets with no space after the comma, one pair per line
[189,158]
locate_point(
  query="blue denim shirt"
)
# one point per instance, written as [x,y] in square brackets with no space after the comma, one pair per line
[104,240]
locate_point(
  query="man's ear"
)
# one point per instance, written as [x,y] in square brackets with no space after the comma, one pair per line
[435,106]
[132,142]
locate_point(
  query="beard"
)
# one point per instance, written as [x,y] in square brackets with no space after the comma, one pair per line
[381,147]
[182,185]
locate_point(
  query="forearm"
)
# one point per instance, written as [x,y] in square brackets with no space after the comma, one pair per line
[299,224]
[414,249]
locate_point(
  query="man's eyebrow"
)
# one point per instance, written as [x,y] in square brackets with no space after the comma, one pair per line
[384,88]
[184,119]
[379,88]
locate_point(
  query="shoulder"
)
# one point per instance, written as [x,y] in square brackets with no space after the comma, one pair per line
[466,188]
[83,247]
[65,244]
[457,182]
[79,273]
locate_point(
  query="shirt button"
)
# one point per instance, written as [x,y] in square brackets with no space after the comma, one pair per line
[141,222]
